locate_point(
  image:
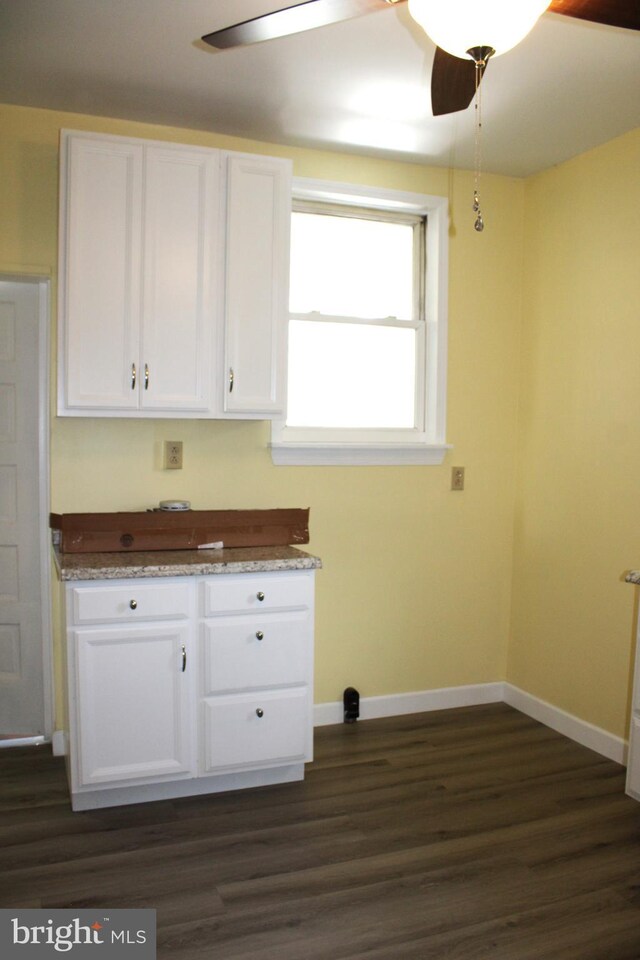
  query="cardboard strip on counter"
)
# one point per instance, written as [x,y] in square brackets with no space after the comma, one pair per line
[182,530]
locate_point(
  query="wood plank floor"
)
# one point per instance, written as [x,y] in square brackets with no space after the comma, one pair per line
[456,835]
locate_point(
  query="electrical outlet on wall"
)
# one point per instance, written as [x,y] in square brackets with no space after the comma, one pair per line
[173,455]
[457,478]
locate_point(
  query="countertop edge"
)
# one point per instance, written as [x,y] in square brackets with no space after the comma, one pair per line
[79,567]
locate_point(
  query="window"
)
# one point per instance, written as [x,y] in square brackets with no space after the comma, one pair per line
[367,328]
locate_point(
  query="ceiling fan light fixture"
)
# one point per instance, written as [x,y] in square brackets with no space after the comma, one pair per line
[458,26]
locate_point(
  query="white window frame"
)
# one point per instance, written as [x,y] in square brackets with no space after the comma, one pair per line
[298,446]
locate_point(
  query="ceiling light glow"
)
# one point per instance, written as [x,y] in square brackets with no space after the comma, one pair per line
[461,25]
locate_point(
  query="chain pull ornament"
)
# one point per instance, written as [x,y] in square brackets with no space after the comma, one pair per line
[480,56]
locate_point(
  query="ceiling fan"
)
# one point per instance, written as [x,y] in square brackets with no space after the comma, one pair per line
[461,55]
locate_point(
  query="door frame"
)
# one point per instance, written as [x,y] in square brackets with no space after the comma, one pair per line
[43,284]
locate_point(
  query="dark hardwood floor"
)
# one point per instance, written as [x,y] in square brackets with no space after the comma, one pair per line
[456,835]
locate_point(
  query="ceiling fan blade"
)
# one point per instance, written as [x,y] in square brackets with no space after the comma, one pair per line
[453,83]
[613,13]
[295,18]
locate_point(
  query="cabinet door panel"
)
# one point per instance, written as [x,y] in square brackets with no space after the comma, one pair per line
[257,283]
[254,730]
[246,652]
[132,701]
[181,189]
[100,277]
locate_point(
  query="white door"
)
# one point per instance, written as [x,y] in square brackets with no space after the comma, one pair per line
[22,688]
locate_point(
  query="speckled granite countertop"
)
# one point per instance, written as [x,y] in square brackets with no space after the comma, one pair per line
[633,576]
[182,563]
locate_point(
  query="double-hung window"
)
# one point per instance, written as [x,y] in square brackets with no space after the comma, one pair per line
[367,328]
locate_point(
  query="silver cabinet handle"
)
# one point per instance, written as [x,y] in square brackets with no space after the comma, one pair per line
[260,713]
[184,658]
[260,596]
[259,635]
[146,376]
[133,604]
[231,379]
[134,375]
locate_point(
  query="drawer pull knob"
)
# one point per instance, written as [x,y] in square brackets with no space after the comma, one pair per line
[133,604]
[259,635]
[260,596]
[260,712]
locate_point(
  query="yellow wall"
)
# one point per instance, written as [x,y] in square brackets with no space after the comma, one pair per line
[416,587]
[577,519]
[421,587]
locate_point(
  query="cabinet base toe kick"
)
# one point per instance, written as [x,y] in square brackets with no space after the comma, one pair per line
[175,789]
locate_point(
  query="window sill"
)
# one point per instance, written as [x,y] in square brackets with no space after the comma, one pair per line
[357,455]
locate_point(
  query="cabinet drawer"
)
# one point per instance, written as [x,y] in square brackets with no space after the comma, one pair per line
[252,594]
[253,730]
[130,602]
[254,651]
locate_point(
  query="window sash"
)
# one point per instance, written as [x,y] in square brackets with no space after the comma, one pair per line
[362,434]
[419,226]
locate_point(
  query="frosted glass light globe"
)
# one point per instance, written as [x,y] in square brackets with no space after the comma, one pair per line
[459,25]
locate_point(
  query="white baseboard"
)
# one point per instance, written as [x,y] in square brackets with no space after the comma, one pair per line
[610,746]
[59,743]
[420,701]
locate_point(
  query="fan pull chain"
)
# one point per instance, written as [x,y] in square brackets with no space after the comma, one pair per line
[479,222]
[480,56]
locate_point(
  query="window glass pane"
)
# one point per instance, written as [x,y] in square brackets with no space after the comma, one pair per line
[351,375]
[349,267]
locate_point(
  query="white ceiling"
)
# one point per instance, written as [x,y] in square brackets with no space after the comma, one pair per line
[360,85]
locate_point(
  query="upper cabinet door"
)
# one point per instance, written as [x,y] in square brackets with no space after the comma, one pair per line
[180,230]
[164,298]
[100,263]
[258,191]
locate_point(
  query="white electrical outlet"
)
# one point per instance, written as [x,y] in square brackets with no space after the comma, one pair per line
[173,455]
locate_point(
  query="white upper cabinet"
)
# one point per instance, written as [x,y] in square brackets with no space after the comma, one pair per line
[258,216]
[138,227]
[173,280]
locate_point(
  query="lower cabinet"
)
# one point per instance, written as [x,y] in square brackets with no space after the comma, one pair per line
[188,685]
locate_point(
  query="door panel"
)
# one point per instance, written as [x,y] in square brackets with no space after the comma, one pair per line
[21,651]
[257,284]
[181,192]
[132,703]
[100,288]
